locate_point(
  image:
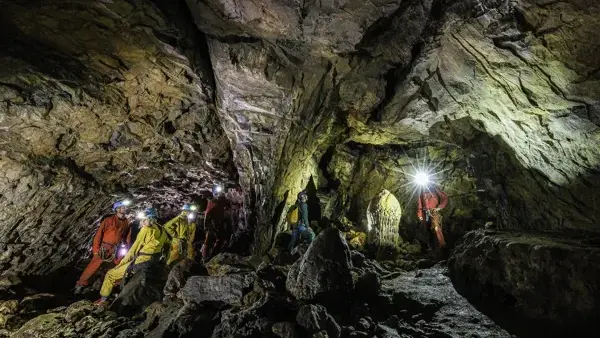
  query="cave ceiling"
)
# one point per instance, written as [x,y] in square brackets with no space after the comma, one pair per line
[159,99]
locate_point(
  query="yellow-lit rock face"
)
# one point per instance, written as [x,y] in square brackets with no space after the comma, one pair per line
[103,98]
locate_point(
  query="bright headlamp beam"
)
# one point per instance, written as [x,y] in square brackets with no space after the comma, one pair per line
[141,215]
[193,207]
[191,216]
[218,188]
[126,202]
[422,178]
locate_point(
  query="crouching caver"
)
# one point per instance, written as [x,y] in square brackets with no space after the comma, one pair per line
[113,230]
[297,217]
[145,251]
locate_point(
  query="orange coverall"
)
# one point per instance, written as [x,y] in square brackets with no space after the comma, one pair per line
[428,202]
[112,231]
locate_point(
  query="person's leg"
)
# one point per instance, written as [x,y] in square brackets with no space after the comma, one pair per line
[112,276]
[174,253]
[207,245]
[295,234]
[89,271]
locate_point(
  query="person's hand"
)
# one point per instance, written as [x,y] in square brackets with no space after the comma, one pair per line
[421,219]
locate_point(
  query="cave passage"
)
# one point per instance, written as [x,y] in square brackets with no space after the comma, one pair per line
[212,168]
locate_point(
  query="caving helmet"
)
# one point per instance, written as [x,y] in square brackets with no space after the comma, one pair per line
[150,213]
[123,203]
[302,196]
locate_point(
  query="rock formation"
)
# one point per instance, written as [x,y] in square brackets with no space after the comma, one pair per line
[324,270]
[383,215]
[156,100]
[538,286]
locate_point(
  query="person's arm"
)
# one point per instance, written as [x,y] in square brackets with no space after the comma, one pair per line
[443,199]
[128,237]
[420,207]
[136,247]
[170,227]
[98,238]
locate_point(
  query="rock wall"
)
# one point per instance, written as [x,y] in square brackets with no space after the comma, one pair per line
[159,99]
[98,100]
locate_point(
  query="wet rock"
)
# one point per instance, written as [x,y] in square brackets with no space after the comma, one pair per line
[284,330]
[356,239]
[222,289]
[44,326]
[315,318]
[510,275]
[8,282]
[177,277]
[37,303]
[227,263]
[429,305]
[275,274]
[78,310]
[142,289]
[9,306]
[324,268]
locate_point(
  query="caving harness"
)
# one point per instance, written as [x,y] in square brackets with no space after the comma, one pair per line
[108,252]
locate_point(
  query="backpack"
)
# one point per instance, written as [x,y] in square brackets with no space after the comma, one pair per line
[293,215]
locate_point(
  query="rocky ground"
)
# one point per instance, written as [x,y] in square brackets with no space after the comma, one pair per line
[328,291]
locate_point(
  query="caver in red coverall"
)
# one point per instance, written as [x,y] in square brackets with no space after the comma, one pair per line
[430,203]
[113,230]
[217,233]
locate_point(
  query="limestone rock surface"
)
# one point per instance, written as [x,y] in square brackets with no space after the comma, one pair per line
[324,270]
[538,285]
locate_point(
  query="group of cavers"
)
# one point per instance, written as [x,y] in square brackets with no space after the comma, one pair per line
[431,201]
[179,233]
[154,243]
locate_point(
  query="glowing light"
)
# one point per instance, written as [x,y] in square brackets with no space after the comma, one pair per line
[218,188]
[191,216]
[421,178]
[141,215]
[122,250]
[126,202]
[193,207]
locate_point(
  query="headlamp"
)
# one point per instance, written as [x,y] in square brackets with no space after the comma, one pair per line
[191,216]
[218,188]
[193,207]
[122,250]
[421,178]
[141,215]
[126,202]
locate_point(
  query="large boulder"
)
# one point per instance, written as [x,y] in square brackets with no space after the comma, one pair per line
[324,268]
[228,263]
[314,318]
[424,304]
[540,286]
[217,289]
[142,289]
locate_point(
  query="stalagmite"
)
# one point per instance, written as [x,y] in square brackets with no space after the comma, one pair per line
[383,215]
